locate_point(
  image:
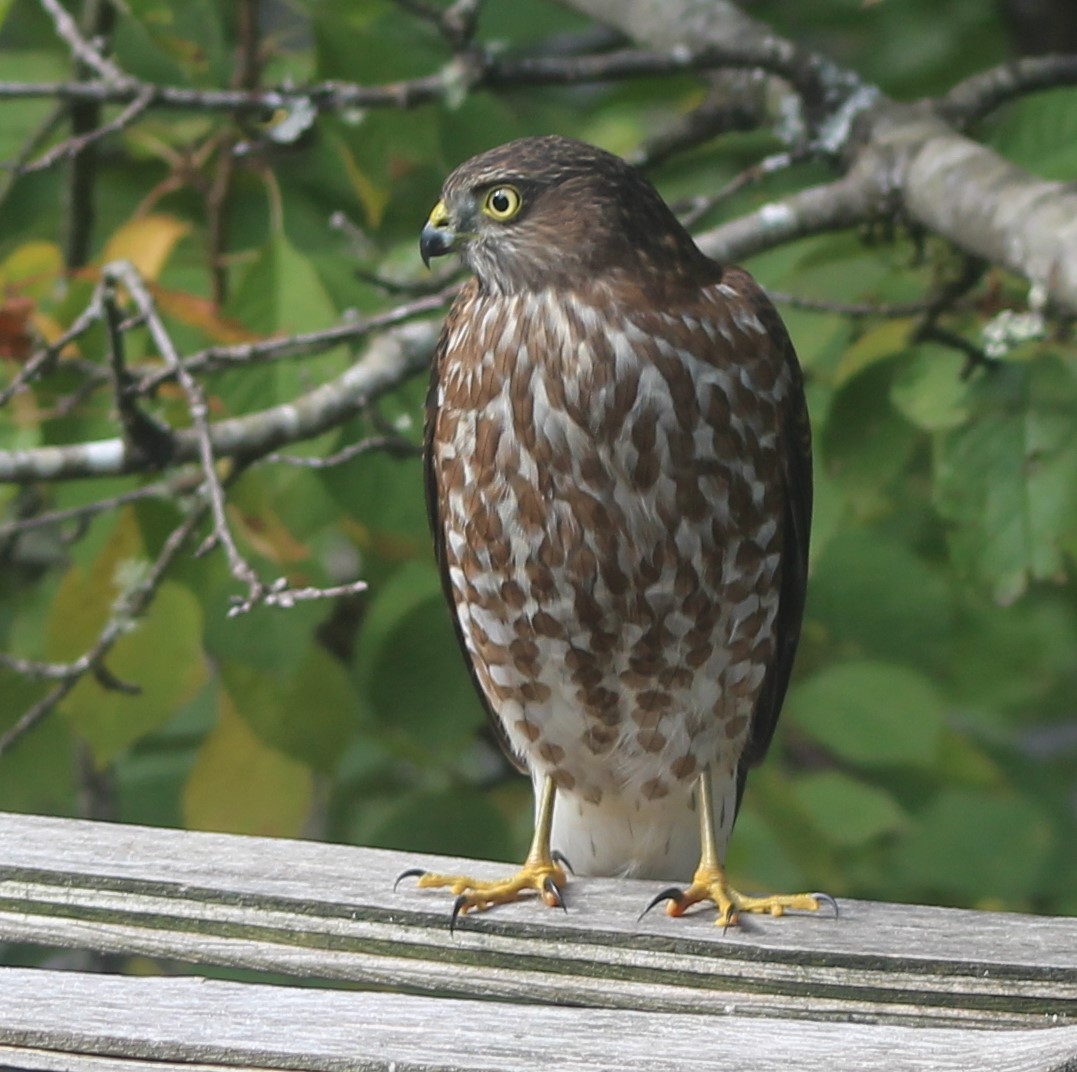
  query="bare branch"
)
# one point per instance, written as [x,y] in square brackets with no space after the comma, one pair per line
[987,90]
[698,207]
[180,484]
[390,359]
[393,445]
[834,206]
[124,272]
[41,361]
[72,146]
[81,49]
[132,605]
[305,343]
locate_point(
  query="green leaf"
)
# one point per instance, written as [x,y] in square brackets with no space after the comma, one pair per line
[1006,480]
[111,720]
[1040,133]
[874,713]
[309,714]
[929,391]
[38,774]
[457,822]
[241,785]
[281,292]
[977,847]
[876,597]
[848,812]
[878,343]
[411,667]
[865,442]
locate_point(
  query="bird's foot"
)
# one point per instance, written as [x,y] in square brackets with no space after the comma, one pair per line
[544,875]
[711,884]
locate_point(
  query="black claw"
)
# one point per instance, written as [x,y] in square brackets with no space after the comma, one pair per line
[457,909]
[551,890]
[671,893]
[827,899]
[559,857]
[412,872]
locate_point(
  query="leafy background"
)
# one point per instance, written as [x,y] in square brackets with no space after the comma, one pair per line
[928,750]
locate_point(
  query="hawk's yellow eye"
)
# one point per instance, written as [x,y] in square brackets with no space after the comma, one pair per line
[502,203]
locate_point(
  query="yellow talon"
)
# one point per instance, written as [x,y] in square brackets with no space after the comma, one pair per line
[709,883]
[540,872]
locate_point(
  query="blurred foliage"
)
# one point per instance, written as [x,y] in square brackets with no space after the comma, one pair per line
[927,751]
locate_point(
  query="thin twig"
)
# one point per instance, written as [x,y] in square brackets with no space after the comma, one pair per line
[81,49]
[893,310]
[393,445]
[34,668]
[130,606]
[71,147]
[701,206]
[179,484]
[124,272]
[469,70]
[40,361]
[305,343]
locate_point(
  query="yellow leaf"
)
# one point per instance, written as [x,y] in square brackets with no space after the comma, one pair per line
[268,535]
[147,242]
[876,344]
[239,785]
[201,313]
[372,197]
[33,268]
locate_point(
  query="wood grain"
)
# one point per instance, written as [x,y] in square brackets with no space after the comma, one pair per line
[81,1018]
[328,912]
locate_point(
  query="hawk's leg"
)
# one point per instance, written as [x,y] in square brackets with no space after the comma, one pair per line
[541,871]
[711,884]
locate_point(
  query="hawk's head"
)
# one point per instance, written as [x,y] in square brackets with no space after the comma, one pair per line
[552,211]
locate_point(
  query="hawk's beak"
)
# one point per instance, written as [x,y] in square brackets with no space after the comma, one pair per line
[437,236]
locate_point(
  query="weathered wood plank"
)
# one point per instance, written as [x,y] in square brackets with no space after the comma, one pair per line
[325,911]
[62,1015]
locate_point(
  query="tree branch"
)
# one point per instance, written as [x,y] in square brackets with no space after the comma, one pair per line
[390,359]
[901,156]
[985,91]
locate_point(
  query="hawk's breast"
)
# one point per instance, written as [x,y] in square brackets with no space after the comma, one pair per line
[610,494]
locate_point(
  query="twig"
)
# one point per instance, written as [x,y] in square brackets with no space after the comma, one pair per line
[34,668]
[985,91]
[143,433]
[470,71]
[894,310]
[833,206]
[306,343]
[701,206]
[393,445]
[455,23]
[124,272]
[72,146]
[389,359]
[179,484]
[131,605]
[38,136]
[81,49]
[41,360]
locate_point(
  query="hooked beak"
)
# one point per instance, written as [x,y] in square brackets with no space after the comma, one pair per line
[437,235]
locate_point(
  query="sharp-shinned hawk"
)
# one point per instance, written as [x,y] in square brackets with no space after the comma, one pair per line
[618,469]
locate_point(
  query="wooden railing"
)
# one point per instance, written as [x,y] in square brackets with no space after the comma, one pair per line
[882,987]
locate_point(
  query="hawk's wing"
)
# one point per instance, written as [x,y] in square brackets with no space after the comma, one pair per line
[433,507]
[797,477]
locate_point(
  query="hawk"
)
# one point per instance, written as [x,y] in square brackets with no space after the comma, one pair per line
[618,476]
